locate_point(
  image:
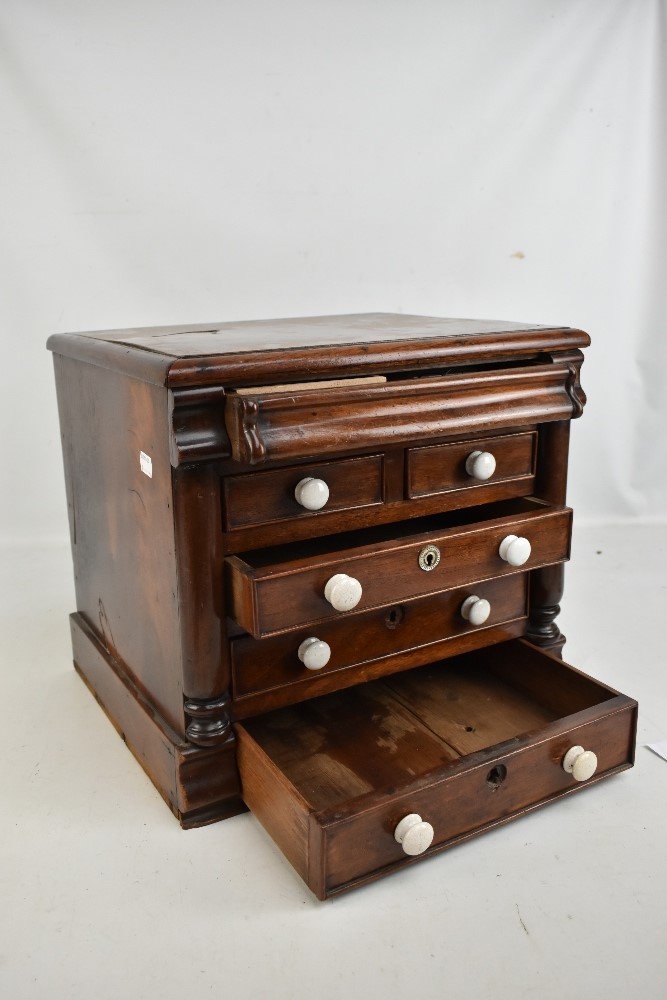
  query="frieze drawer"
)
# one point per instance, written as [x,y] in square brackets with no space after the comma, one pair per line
[269,425]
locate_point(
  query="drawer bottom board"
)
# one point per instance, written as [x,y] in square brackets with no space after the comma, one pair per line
[466,744]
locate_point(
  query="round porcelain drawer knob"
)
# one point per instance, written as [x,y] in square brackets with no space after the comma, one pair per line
[480,465]
[343,592]
[514,550]
[581,764]
[311,493]
[475,610]
[314,653]
[413,834]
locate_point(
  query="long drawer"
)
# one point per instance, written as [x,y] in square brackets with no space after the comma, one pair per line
[268,673]
[278,590]
[483,738]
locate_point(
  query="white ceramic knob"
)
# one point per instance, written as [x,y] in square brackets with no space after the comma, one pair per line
[311,493]
[514,550]
[343,592]
[480,465]
[475,610]
[581,764]
[413,834]
[314,653]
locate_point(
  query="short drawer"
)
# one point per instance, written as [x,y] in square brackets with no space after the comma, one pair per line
[268,673]
[278,590]
[506,463]
[482,738]
[266,497]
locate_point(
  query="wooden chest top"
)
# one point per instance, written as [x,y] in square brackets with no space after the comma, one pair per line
[237,353]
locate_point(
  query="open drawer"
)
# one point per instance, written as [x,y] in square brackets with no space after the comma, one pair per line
[454,748]
[279,423]
[284,588]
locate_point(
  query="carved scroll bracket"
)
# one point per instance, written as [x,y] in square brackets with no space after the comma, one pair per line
[574,361]
[243,415]
[197,422]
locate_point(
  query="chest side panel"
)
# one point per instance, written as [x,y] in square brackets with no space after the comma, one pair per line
[121,522]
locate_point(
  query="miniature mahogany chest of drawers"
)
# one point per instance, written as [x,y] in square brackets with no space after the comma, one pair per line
[318,565]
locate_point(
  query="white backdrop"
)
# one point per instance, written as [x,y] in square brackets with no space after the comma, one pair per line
[171,161]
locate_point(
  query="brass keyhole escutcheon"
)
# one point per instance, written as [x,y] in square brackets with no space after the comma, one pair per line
[429,557]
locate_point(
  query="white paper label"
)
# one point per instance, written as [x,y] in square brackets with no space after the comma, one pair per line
[146,464]
[659,748]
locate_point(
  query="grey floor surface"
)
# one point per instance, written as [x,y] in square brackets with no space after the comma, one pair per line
[104,896]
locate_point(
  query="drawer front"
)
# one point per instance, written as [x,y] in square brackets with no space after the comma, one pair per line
[469,800]
[266,497]
[272,599]
[442,468]
[272,667]
[464,745]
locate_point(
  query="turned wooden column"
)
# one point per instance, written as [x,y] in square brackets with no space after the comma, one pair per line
[546,585]
[197,441]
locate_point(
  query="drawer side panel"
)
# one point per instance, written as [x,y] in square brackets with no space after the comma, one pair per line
[274,801]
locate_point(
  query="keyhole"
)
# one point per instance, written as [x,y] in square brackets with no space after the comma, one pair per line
[496,776]
[429,557]
[394,617]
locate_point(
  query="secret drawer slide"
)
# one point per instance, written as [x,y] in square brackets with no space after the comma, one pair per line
[461,745]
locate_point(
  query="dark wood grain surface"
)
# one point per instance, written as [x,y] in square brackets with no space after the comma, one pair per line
[122,525]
